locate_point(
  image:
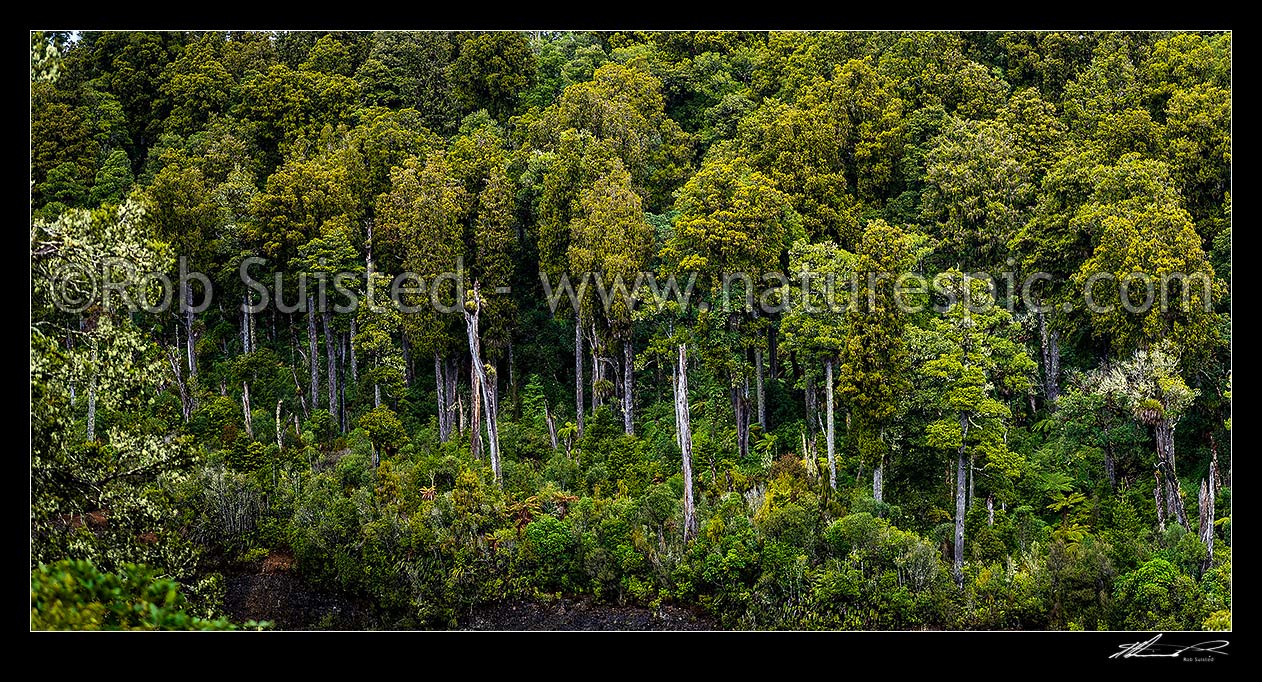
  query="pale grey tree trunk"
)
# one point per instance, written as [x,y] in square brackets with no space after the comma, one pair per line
[761,393]
[990,510]
[92,397]
[188,325]
[444,424]
[1164,431]
[960,473]
[738,396]
[1216,476]
[313,347]
[1158,494]
[829,436]
[354,361]
[812,411]
[597,369]
[1110,468]
[173,357]
[684,428]
[475,415]
[487,383]
[878,482]
[1050,346]
[492,388]
[628,383]
[971,467]
[454,407]
[330,350]
[552,425]
[490,408]
[578,375]
[177,339]
[461,411]
[245,408]
[280,443]
[1206,500]
[772,356]
[341,380]
[245,323]
[407,361]
[743,424]
[251,326]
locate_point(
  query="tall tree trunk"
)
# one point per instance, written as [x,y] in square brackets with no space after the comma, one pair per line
[314,358]
[628,382]
[188,327]
[1215,476]
[772,356]
[578,374]
[280,443]
[1050,345]
[490,410]
[747,415]
[1206,500]
[475,415]
[1110,468]
[960,473]
[878,482]
[407,361]
[177,339]
[173,357]
[354,361]
[684,428]
[341,380]
[491,387]
[990,510]
[92,397]
[738,393]
[761,392]
[1165,452]
[245,409]
[552,425]
[245,323]
[444,424]
[330,349]
[486,382]
[1159,496]
[597,369]
[252,326]
[455,409]
[971,467]
[376,395]
[829,436]
[512,385]
[461,411]
[812,412]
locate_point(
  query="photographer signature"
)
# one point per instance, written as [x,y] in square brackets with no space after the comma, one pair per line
[1151,649]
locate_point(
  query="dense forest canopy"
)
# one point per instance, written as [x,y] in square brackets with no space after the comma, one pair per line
[432,320]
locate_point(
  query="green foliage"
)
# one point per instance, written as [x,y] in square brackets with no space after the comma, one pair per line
[113,180]
[384,429]
[75,595]
[1157,596]
[490,72]
[1097,158]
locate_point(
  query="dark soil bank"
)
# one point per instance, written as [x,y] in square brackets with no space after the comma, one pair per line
[573,614]
[289,603]
[274,592]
